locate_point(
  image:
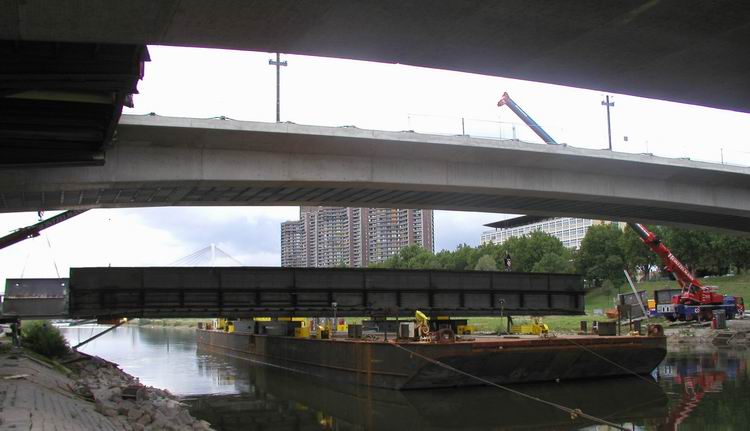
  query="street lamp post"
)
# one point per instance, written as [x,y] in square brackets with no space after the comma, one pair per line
[608,104]
[335,323]
[278,63]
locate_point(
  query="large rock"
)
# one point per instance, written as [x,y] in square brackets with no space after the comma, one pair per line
[135,413]
[145,419]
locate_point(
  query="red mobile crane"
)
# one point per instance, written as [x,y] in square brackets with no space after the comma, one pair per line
[696,300]
[693,291]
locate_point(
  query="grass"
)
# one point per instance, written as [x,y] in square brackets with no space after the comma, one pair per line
[603,299]
[171,323]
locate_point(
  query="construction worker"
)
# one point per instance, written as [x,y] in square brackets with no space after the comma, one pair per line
[507,262]
[14,330]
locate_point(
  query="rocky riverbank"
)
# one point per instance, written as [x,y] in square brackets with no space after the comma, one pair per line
[736,334]
[87,393]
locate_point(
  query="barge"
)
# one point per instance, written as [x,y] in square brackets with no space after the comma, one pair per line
[403,364]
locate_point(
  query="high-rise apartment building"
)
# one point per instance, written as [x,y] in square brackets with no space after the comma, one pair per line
[354,237]
[569,230]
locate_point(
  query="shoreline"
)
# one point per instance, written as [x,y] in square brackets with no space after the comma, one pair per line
[737,335]
[90,393]
[84,392]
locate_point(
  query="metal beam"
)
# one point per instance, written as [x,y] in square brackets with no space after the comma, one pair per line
[309,292]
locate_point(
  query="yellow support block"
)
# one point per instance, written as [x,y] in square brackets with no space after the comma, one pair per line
[465,329]
[536,327]
[303,332]
[221,323]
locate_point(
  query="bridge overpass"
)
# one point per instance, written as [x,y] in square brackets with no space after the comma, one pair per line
[162,161]
[689,51]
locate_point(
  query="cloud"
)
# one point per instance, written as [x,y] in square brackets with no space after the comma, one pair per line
[453,228]
[143,237]
[253,232]
[160,236]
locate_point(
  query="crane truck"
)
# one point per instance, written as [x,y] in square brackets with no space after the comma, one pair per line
[694,300]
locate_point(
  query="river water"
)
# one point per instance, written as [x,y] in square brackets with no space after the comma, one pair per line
[696,389]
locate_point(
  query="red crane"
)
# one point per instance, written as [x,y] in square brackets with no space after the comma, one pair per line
[33,230]
[693,291]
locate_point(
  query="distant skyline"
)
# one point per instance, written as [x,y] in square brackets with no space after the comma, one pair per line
[189,82]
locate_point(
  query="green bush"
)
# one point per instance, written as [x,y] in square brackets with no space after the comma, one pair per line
[45,339]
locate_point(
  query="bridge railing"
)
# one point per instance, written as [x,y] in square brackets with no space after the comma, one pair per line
[501,130]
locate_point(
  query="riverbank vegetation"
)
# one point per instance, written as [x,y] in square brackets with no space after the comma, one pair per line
[41,337]
[605,251]
[170,323]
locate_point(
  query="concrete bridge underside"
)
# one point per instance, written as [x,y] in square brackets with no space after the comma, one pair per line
[689,51]
[161,161]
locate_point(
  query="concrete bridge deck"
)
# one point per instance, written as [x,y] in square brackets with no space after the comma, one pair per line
[162,161]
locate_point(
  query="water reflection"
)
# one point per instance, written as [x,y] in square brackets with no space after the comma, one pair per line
[161,357]
[707,389]
[296,399]
[696,390]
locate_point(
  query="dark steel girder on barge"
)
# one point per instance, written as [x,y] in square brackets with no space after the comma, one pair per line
[311,292]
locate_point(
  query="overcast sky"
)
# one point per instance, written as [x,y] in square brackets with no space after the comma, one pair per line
[241,85]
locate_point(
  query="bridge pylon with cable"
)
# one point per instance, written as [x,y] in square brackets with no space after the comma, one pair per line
[208,256]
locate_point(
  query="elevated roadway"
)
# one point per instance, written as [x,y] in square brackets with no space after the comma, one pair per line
[162,161]
[689,51]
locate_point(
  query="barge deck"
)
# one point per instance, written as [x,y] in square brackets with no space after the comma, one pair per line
[406,364]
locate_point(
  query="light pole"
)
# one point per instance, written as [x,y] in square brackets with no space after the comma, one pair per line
[335,323]
[278,63]
[607,103]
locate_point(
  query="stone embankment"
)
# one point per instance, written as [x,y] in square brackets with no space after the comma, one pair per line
[88,394]
[737,334]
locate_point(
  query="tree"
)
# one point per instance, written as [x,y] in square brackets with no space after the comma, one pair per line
[637,255]
[526,251]
[464,258]
[552,262]
[730,250]
[600,256]
[692,247]
[486,263]
[410,257]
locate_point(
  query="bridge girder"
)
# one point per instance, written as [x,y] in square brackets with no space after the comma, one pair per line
[160,161]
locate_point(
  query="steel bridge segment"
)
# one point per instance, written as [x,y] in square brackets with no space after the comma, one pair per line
[310,292]
[35,298]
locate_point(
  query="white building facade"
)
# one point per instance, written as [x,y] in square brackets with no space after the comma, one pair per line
[570,231]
